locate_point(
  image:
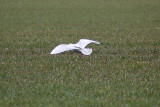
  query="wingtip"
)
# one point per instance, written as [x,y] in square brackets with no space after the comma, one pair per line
[98,43]
[53,53]
[91,40]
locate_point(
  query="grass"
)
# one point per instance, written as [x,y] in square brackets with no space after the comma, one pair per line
[123,71]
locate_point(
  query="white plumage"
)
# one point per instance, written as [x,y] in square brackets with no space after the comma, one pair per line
[80,46]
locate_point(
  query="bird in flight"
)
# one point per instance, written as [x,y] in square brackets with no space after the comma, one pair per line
[80,47]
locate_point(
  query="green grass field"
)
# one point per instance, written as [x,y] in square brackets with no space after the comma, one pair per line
[123,71]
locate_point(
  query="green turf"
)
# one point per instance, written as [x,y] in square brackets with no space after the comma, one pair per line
[123,71]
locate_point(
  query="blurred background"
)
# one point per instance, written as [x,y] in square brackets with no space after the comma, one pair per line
[123,70]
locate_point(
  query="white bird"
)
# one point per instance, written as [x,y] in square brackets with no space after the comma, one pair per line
[80,46]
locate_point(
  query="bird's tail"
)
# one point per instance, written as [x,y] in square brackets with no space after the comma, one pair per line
[86,51]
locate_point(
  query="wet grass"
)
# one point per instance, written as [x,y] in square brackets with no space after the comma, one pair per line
[123,71]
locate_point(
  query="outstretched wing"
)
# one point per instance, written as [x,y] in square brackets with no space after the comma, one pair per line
[86,51]
[62,48]
[84,42]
